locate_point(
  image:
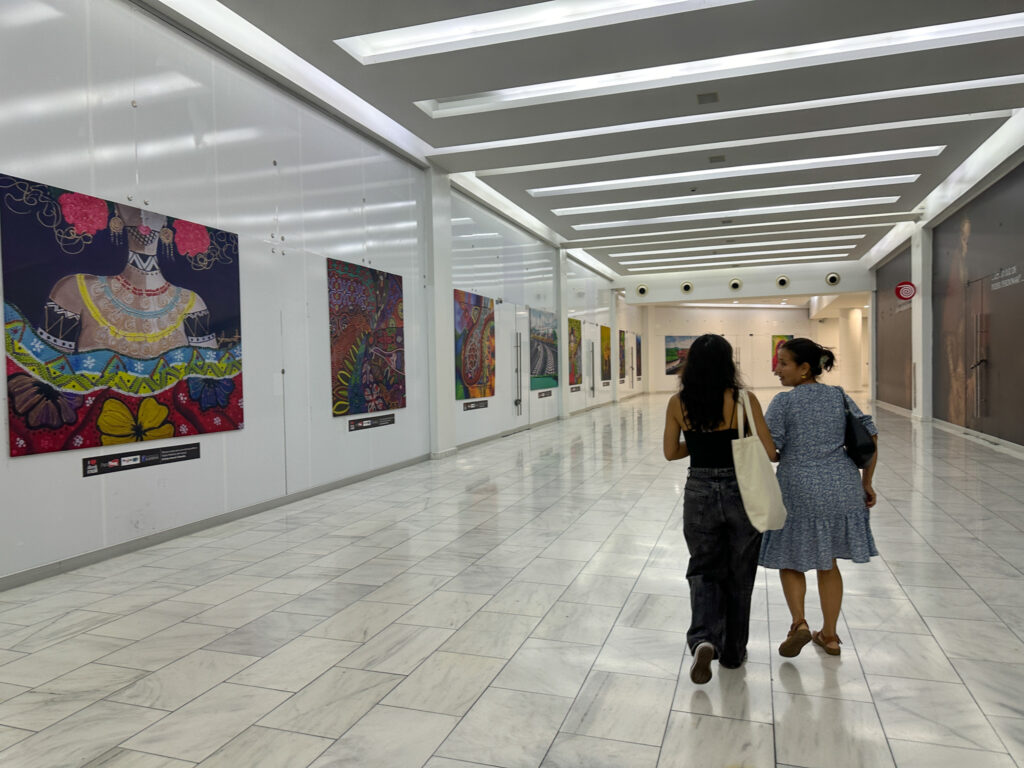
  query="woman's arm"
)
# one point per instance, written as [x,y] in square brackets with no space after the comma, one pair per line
[674,449]
[762,428]
[867,475]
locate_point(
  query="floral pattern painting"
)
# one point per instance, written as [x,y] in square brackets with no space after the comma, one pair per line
[606,353]
[367,333]
[474,346]
[622,354]
[120,324]
[575,351]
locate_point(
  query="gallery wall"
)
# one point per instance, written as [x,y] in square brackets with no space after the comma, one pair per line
[588,299]
[158,120]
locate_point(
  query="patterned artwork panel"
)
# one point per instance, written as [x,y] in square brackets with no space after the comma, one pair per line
[120,324]
[543,349]
[676,349]
[622,354]
[575,351]
[367,332]
[606,353]
[474,346]
[777,341]
[639,357]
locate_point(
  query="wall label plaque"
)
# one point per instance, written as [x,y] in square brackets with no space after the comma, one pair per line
[374,421]
[575,389]
[545,393]
[140,457]
[606,383]
[474,405]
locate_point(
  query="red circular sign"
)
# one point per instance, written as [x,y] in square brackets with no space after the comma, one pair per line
[906,290]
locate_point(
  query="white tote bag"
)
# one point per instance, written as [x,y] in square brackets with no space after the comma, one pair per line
[759,488]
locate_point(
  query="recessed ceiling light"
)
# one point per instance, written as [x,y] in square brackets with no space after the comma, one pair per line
[522,23]
[735,301]
[738,194]
[696,305]
[867,306]
[765,243]
[907,215]
[737,65]
[836,161]
[816,249]
[761,211]
[677,267]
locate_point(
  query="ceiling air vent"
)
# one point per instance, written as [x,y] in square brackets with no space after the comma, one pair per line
[716,159]
[707,98]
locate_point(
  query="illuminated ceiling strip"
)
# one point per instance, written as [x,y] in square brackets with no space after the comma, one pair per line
[736,171]
[760,140]
[736,246]
[710,117]
[680,267]
[739,194]
[679,259]
[536,20]
[741,305]
[908,215]
[738,65]
[765,210]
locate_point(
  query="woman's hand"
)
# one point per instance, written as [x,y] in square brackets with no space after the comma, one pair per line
[869,494]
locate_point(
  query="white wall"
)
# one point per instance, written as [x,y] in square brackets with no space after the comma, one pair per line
[210,143]
[748,330]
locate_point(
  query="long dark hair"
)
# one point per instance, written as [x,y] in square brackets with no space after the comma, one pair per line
[708,372]
[811,352]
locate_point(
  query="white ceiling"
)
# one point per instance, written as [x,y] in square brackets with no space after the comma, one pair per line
[710,124]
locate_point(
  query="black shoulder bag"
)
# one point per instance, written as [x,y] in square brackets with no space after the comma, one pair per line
[860,446]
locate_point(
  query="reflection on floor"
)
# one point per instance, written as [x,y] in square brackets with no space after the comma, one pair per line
[523,604]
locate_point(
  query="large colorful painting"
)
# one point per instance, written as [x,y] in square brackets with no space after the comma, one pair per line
[120,324]
[639,357]
[474,346]
[676,349]
[543,349]
[777,341]
[367,339]
[606,353]
[575,351]
[622,354]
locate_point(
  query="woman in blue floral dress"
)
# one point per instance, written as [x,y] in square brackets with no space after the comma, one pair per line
[827,498]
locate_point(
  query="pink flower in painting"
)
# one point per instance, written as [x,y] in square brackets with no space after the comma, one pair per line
[192,239]
[87,214]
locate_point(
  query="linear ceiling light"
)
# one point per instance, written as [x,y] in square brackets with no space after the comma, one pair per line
[908,215]
[835,161]
[761,211]
[536,20]
[739,194]
[680,259]
[768,109]
[741,305]
[738,65]
[737,246]
[680,267]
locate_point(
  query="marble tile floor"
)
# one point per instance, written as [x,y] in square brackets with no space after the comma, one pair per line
[523,604]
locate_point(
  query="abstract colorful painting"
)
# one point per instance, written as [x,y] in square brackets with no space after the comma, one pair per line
[543,349]
[575,351]
[639,357]
[676,349]
[120,324]
[474,346]
[606,353]
[622,354]
[777,341]
[364,307]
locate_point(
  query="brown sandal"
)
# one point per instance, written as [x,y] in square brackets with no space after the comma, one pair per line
[795,640]
[820,638]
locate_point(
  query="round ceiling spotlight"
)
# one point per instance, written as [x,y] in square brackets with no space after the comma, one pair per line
[735,284]
[832,278]
[686,287]
[782,281]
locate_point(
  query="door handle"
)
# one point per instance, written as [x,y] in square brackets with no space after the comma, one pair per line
[983,360]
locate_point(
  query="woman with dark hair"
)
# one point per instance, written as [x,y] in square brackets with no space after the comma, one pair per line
[826,497]
[723,544]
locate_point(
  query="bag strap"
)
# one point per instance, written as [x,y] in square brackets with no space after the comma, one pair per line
[743,407]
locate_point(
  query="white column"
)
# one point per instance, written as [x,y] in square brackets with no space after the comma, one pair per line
[440,313]
[654,365]
[850,330]
[921,322]
[562,310]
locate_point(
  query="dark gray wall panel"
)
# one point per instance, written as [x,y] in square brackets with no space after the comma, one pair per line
[892,328]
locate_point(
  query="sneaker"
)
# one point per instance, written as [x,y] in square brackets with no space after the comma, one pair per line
[700,670]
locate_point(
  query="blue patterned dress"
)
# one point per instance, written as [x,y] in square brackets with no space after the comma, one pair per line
[821,486]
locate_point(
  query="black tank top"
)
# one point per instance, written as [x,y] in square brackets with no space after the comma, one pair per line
[712,449]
